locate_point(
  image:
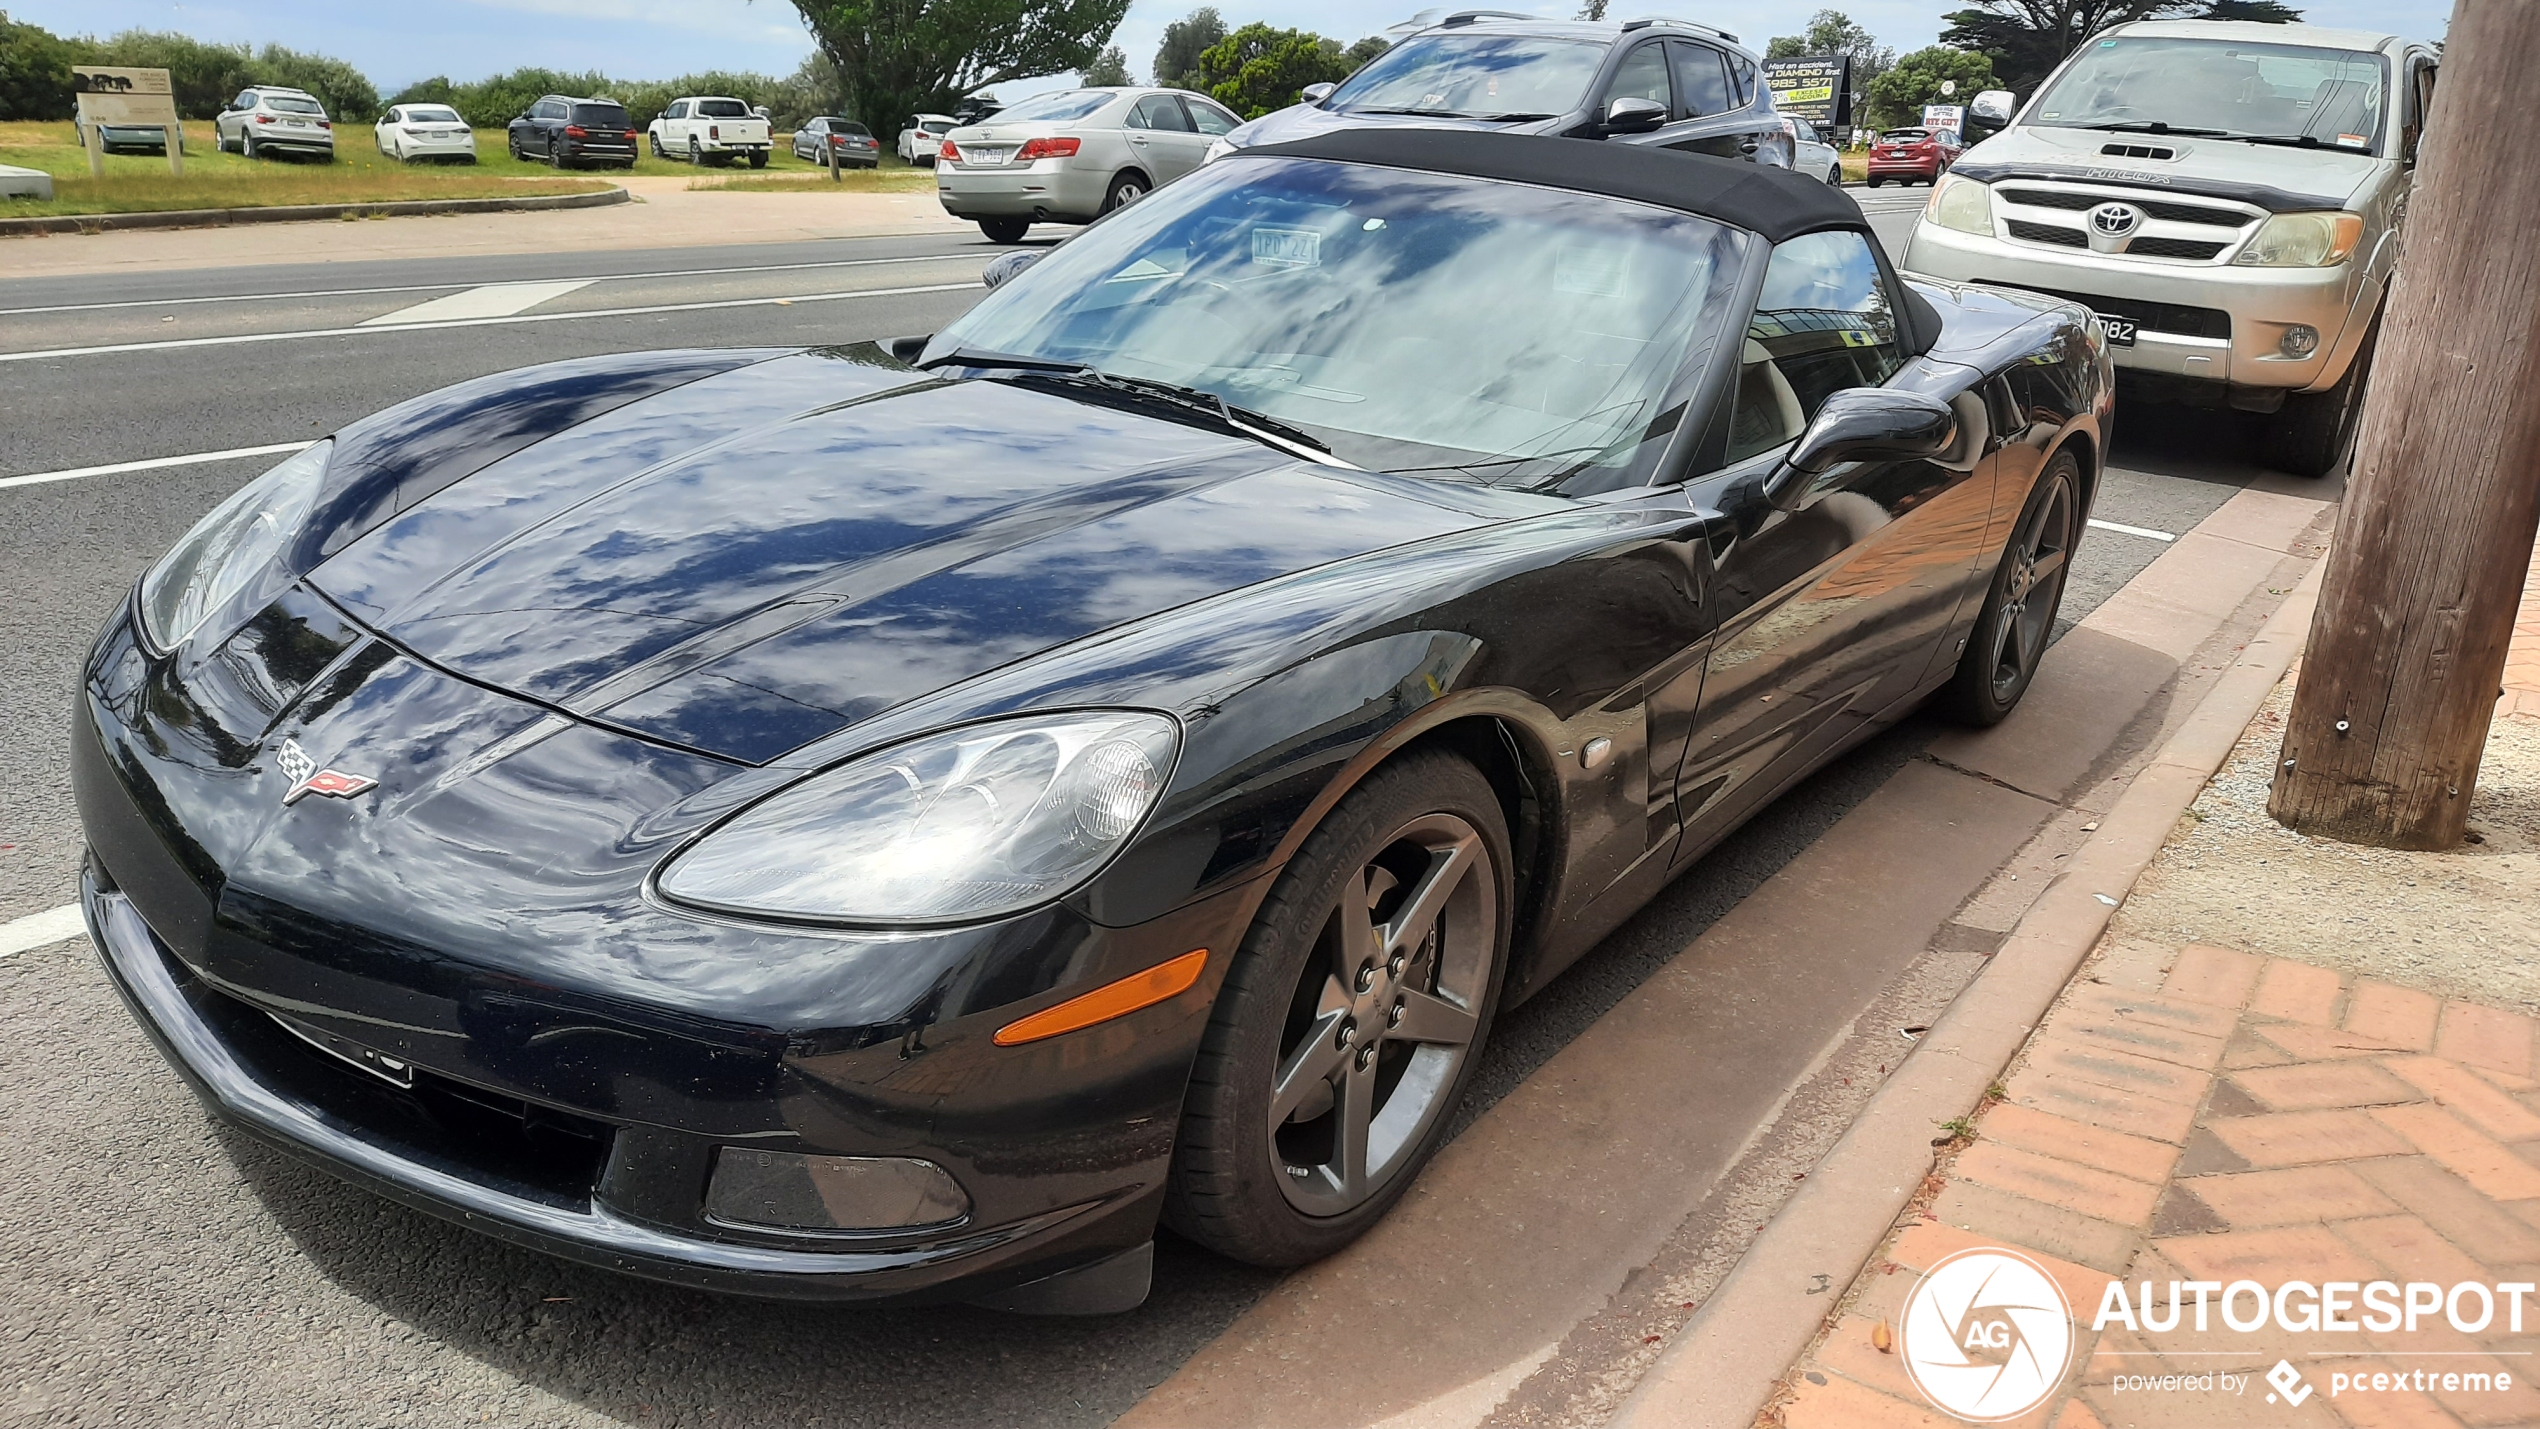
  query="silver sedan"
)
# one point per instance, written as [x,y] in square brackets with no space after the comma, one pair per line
[1073,155]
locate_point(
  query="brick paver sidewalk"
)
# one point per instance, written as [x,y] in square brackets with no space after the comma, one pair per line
[2202,1114]
[2522,658]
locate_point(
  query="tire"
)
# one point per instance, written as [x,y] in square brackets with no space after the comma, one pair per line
[653,140]
[1309,987]
[1873,181]
[1834,176]
[1126,189]
[2313,431]
[1005,230]
[758,158]
[2018,616]
[512,142]
[247,146]
[696,155]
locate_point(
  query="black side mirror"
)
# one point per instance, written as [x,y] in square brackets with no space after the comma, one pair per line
[1862,424]
[1005,266]
[1634,116]
[1317,93]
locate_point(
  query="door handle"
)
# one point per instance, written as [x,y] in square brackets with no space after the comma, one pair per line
[1748,145]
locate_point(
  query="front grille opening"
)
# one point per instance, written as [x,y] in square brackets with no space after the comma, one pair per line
[2152,207]
[2150,247]
[500,1142]
[2048,233]
[2137,151]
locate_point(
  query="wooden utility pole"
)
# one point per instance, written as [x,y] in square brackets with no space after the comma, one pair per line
[2406,651]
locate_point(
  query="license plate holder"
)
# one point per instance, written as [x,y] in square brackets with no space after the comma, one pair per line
[2120,330]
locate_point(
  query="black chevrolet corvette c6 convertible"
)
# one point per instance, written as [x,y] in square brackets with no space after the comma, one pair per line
[898,821]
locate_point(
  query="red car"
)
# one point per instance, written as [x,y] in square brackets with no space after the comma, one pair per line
[1909,154]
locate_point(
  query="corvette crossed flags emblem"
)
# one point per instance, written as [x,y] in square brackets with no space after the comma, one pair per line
[307,778]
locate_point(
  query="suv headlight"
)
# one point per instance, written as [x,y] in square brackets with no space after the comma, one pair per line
[968,824]
[2303,240]
[1962,204]
[231,548]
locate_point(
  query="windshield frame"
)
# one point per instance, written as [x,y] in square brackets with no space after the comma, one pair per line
[1661,429]
[2034,116]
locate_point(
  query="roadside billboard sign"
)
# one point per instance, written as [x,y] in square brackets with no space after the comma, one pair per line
[1952,117]
[110,95]
[1817,88]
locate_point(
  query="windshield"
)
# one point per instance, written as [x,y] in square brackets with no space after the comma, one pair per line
[1065,104]
[292,104]
[2230,89]
[1413,322]
[1473,76]
[431,114]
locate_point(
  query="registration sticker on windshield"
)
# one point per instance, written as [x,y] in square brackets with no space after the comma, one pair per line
[1287,247]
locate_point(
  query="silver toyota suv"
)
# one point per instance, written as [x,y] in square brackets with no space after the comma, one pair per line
[2226,196]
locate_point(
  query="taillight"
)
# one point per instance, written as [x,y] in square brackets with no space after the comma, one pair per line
[714,131]
[1047,149]
[264,119]
[576,131]
[326,124]
[630,136]
[837,141]
[949,152]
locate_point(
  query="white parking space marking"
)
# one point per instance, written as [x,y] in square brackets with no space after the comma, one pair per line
[38,478]
[494,300]
[37,930]
[182,342]
[447,287]
[2124,530]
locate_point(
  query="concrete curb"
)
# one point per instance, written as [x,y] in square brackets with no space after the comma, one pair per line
[1722,1370]
[303,213]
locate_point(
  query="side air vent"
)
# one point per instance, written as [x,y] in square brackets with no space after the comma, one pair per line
[2137,151]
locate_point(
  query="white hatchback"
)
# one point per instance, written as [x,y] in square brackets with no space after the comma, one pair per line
[408,132]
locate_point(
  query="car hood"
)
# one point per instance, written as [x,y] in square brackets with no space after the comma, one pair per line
[2279,179]
[1305,121]
[743,589]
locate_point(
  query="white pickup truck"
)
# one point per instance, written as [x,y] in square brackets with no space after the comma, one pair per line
[710,129]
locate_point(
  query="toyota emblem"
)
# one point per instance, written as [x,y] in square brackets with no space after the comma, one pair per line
[2115,220]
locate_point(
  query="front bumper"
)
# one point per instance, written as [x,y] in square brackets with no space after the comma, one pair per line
[1043,189]
[2216,322]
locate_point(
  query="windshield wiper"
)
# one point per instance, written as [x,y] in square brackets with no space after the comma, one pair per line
[1511,118]
[2301,141]
[2152,126]
[1423,113]
[1191,399]
[976,357]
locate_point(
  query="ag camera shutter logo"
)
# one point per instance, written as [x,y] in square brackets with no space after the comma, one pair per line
[1986,1335]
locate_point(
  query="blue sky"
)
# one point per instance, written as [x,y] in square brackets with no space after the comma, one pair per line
[637,39]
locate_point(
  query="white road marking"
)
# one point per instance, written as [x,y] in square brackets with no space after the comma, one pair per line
[37,478]
[494,300]
[2124,530]
[38,930]
[447,287]
[238,338]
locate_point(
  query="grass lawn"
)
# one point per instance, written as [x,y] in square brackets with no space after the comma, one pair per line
[138,183]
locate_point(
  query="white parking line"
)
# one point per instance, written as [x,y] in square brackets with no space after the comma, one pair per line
[38,478]
[37,930]
[358,331]
[447,287]
[494,300]
[2143,531]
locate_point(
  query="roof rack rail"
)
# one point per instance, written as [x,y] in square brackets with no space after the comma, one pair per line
[1645,21]
[1466,17]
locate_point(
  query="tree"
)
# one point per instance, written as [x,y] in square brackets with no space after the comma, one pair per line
[901,57]
[1185,40]
[35,72]
[1357,55]
[346,92]
[203,76]
[1831,32]
[1592,10]
[1111,67]
[1257,69]
[2416,609]
[1900,94]
[2263,12]
[2028,38]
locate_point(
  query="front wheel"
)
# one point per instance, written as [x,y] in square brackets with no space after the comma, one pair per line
[1350,1020]
[2313,431]
[2018,617]
[1005,230]
[247,146]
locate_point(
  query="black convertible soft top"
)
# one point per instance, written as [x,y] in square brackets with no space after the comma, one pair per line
[1777,203]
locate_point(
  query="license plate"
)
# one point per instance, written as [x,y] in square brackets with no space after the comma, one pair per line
[986,158]
[2120,330]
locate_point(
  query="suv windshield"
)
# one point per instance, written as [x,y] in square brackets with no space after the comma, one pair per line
[1339,299]
[601,116]
[2226,88]
[1065,104]
[292,104]
[1473,76]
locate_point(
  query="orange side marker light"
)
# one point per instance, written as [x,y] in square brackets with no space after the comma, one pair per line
[1116,999]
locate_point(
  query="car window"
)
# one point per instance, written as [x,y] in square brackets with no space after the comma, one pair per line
[847,126]
[1471,75]
[292,104]
[601,116]
[2239,87]
[1641,75]
[1063,105]
[1700,82]
[1742,72]
[1823,322]
[722,109]
[1209,118]
[1160,111]
[246,99]
[431,114]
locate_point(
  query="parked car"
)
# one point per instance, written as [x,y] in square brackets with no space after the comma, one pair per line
[710,129]
[1073,155]
[127,138]
[272,120]
[424,131]
[898,820]
[923,136]
[1904,155]
[570,133]
[1671,84]
[2226,196]
[1812,153]
[854,144]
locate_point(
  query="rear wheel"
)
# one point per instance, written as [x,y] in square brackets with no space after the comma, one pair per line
[696,154]
[247,144]
[2018,617]
[1126,189]
[1873,181]
[1005,230]
[758,158]
[1834,175]
[1350,1020]
[2313,431]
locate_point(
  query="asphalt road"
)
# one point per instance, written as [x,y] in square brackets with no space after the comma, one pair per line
[154,1270]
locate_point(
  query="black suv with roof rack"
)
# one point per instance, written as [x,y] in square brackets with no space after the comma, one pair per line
[569,133]
[1669,83]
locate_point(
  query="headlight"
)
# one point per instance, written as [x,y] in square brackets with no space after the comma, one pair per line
[2303,240]
[1962,204]
[967,824]
[1217,149]
[230,548]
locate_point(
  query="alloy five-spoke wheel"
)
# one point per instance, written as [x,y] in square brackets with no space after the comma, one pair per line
[2018,619]
[1349,1023]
